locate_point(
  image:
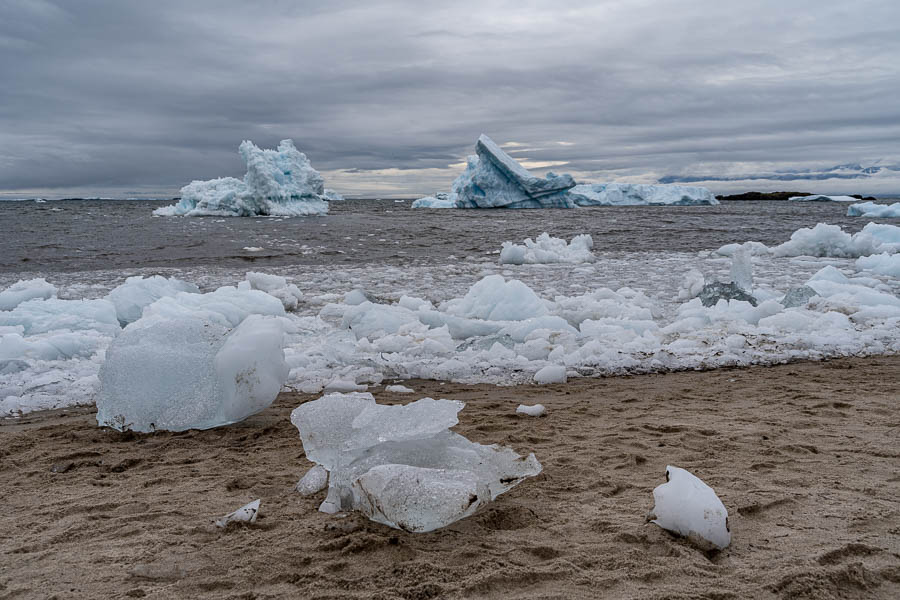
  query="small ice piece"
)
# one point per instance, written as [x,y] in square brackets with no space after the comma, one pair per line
[883,264]
[315,480]
[276,285]
[245,514]
[640,194]
[400,465]
[253,248]
[715,291]
[873,210]
[551,374]
[691,286]
[547,250]
[184,374]
[399,389]
[278,182]
[357,297]
[131,297]
[742,268]
[798,296]
[344,385]
[536,410]
[24,290]
[687,506]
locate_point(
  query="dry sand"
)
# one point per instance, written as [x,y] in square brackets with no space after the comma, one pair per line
[806,457]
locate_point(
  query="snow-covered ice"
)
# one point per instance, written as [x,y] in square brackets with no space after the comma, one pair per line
[189,373]
[640,194]
[547,250]
[278,182]
[687,506]
[400,465]
[871,209]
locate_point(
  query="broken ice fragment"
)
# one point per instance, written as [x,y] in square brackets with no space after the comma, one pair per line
[551,374]
[798,296]
[315,480]
[352,437]
[715,291]
[687,506]
[399,389]
[245,514]
[742,268]
[536,410]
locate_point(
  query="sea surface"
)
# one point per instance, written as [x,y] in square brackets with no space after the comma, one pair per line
[90,235]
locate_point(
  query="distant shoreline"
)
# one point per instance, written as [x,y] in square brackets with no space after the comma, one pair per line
[781,196]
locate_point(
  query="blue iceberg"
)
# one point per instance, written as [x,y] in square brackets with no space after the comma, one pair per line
[278,182]
[639,194]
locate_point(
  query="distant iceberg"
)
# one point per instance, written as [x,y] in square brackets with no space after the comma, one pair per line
[870,209]
[493,179]
[822,198]
[278,182]
[640,194]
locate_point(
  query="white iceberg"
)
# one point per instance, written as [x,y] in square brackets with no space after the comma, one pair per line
[640,194]
[178,374]
[687,506]
[400,465]
[332,196]
[547,249]
[245,514]
[873,210]
[22,290]
[439,200]
[822,198]
[278,182]
[131,297]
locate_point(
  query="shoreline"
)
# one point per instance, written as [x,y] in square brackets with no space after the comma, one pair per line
[803,455]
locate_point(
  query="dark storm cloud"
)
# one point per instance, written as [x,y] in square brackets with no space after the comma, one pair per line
[385,97]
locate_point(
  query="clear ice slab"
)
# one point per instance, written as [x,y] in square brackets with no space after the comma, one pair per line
[400,465]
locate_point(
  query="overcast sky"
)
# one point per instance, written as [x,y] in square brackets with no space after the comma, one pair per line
[387,98]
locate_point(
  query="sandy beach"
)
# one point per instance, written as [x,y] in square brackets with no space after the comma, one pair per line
[804,456]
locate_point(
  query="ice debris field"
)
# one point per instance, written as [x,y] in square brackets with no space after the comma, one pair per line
[557,310]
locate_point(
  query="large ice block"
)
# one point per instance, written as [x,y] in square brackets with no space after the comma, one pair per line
[687,506]
[400,465]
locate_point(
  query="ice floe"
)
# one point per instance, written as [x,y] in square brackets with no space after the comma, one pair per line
[871,209]
[278,182]
[547,250]
[400,465]
[829,240]
[21,291]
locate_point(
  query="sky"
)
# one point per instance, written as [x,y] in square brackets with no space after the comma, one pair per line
[131,98]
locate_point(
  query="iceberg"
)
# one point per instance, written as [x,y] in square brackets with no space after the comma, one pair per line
[439,200]
[870,209]
[278,182]
[332,196]
[687,506]
[22,290]
[640,194]
[188,373]
[400,465]
[547,249]
[822,198]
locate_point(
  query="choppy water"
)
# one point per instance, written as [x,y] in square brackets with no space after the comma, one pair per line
[89,235]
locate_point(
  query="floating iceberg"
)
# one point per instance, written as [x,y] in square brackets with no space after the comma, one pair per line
[547,249]
[189,373]
[822,198]
[870,209]
[687,506]
[828,241]
[883,264]
[639,194]
[131,297]
[439,200]
[277,182]
[24,290]
[400,465]
[332,196]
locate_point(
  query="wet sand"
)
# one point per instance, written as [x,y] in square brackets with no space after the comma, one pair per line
[806,457]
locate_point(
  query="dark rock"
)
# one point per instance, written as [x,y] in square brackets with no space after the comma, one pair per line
[763,196]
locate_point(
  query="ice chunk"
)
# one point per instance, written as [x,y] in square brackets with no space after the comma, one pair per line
[245,514]
[131,297]
[332,196]
[357,296]
[830,240]
[742,268]
[691,286]
[687,506]
[42,316]
[551,374]
[715,291]
[822,198]
[226,306]
[275,285]
[399,389]
[798,296]
[315,480]
[439,200]
[495,299]
[639,194]
[493,179]
[883,264]
[536,410]
[23,290]
[190,374]
[277,182]
[400,465]
[344,385]
[547,249]
[871,209]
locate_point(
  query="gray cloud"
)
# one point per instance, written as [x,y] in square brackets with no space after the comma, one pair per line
[140,98]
